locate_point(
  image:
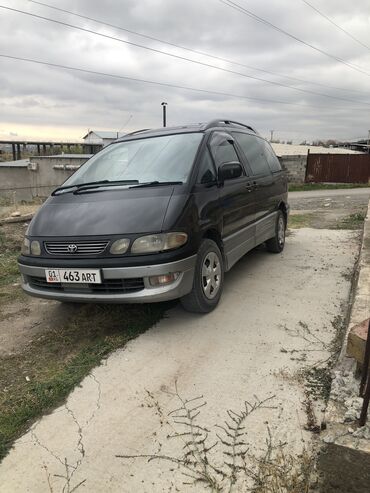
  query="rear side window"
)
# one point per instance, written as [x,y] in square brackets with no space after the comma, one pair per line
[253,150]
[272,160]
[222,149]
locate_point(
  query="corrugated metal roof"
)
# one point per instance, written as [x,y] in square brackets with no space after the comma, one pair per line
[105,134]
[302,150]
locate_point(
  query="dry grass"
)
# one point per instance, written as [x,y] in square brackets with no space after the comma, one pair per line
[281,472]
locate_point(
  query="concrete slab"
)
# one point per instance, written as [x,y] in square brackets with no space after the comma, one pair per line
[247,347]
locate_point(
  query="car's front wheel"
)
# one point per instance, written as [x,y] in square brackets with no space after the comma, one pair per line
[208,280]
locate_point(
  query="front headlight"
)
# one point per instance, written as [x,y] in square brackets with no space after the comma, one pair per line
[30,247]
[158,243]
[35,247]
[119,247]
[25,250]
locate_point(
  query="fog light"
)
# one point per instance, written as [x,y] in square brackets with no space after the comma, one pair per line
[35,248]
[163,279]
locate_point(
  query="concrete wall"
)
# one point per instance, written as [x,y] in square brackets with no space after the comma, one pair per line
[12,176]
[295,167]
[39,177]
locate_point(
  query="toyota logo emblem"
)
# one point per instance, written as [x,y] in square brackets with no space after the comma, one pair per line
[72,248]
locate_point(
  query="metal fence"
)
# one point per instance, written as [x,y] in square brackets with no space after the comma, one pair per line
[338,168]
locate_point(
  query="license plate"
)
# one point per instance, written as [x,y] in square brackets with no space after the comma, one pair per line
[87,276]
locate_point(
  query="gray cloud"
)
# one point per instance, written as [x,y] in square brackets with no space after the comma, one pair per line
[50,97]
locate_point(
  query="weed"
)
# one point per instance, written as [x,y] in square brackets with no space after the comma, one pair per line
[10,244]
[318,381]
[8,268]
[273,471]
[281,472]
[352,221]
[317,378]
[293,187]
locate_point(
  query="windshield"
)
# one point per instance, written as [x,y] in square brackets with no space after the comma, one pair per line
[160,159]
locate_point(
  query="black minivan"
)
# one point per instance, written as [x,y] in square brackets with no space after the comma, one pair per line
[157,215]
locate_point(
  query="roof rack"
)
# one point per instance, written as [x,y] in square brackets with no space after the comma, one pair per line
[227,123]
[136,132]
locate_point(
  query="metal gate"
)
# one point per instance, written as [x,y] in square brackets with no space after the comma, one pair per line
[338,168]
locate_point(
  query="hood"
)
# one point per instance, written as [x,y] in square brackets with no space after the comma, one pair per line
[102,213]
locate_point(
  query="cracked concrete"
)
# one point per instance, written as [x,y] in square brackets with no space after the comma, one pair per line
[240,350]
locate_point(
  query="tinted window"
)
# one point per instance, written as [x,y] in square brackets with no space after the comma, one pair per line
[222,149]
[161,158]
[253,150]
[207,173]
[271,157]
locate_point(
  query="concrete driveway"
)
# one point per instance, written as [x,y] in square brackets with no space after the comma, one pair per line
[278,315]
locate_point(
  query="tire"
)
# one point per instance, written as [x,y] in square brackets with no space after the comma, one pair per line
[277,242]
[207,284]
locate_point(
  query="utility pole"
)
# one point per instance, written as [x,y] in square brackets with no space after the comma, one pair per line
[368,141]
[272,135]
[164,104]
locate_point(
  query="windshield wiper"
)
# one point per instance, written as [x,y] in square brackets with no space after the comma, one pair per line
[92,184]
[157,183]
[76,185]
[105,183]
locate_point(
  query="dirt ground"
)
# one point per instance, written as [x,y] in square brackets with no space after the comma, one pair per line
[329,208]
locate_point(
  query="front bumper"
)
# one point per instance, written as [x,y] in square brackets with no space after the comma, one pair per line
[144,294]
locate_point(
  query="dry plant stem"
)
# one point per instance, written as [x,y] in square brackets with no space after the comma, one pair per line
[195,462]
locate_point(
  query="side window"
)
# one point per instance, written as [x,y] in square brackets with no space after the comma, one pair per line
[222,149]
[272,160]
[206,173]
[253,150]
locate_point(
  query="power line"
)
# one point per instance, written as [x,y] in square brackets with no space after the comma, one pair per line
[113,38]
[250,14]
[336,25]
[198,52]
[125,124]
[165,84]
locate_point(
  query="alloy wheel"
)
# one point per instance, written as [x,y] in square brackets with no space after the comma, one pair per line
[211,275]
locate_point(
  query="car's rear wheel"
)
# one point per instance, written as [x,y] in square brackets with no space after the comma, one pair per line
[277,242]
[208,280]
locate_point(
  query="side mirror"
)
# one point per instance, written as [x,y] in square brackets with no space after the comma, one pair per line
[229,171]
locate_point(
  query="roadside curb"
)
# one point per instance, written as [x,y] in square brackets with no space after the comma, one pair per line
[345,456]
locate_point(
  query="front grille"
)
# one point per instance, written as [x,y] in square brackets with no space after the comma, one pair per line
[109,286]
[75,248]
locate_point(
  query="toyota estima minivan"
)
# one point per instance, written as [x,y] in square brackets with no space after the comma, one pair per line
[158,215]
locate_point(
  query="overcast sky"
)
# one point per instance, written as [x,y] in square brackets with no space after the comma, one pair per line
[41,101]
